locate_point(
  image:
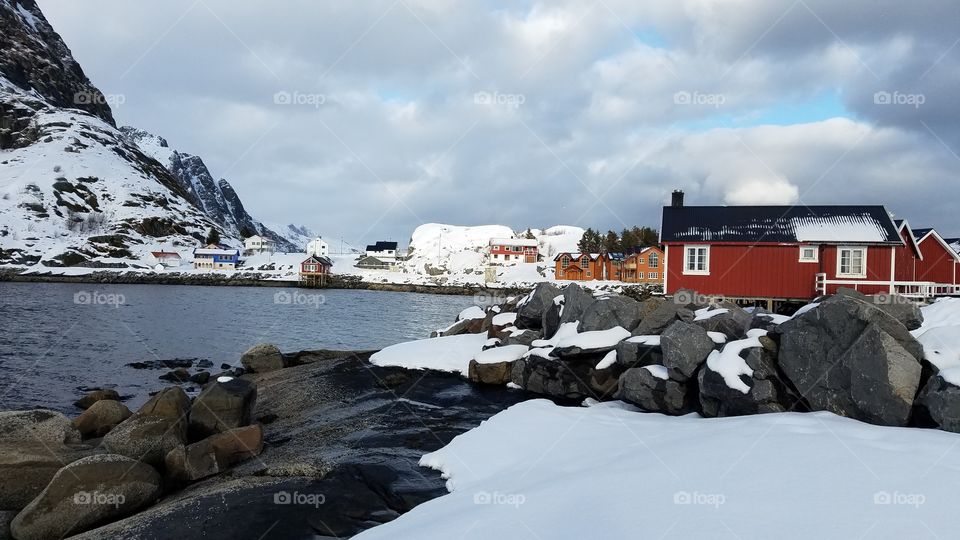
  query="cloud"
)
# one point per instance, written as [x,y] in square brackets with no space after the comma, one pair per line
[596,111]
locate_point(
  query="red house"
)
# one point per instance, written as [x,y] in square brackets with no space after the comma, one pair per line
[512,250]
[779,253]
[314,269]
[940,263]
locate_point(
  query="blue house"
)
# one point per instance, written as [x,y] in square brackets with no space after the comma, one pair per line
[216,259]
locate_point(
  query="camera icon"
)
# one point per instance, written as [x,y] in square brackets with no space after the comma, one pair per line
[82,497]
[482,497]
[283,298]
[684,297]
[682,98]
[82,98]
[882,497]
[682,497]
[882,98]
[83,298]
[482,98]
[282,497]
[283,98]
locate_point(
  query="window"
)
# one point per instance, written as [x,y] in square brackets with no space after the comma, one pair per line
[653,275]
[696,260]
[852,262]
[654,261]
[564,262]
[585,262]
[809,254]
[640,260]
[640,275]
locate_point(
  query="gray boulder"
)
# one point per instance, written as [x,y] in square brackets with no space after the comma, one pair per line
[26,468]
[97,395]
[37,425]
[87,493]
[630,354]
[938,405]
[100,418]
[733,324]
[221,407]
[851,358]
[158,427]
[524,337]
[214,455]
[651,393]
[530,309]
[575,301]
[662,317]
[685,348]
[607,313]
[900,308]
[263,357]
[769,389]
[552,377]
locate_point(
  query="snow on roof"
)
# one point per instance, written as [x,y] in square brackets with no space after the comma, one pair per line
[593,256]
[526,242]
[209,251]
[779,224]
[159,254]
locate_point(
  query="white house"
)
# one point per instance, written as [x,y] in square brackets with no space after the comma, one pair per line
[258,244]
[166,259]
[385,251]
[318,247]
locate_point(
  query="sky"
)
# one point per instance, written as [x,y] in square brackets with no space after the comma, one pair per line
[364,119]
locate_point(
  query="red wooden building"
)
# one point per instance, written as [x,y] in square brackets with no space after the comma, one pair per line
[314,270]
[512,250]
[780,253]
[939,262]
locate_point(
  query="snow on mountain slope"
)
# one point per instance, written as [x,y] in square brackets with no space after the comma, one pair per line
[558,239]
[436,248]
[73,188]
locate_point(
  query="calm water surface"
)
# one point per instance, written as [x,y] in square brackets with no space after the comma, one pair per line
[57,338]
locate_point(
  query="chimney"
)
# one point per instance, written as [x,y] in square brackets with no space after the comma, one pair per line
[677,201]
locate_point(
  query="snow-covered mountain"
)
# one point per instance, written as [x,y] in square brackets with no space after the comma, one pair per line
[75,189]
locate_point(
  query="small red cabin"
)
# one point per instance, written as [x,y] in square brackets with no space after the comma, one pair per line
[940,263]
[779,252]
[314,269]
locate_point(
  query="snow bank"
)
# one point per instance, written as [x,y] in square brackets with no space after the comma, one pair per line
[448,353]
[598,339]
[940,333]
[730,365]
[472,313]
[504,319]
[538,470]
[507,353]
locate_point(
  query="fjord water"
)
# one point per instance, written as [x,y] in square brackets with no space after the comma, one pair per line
[58,339]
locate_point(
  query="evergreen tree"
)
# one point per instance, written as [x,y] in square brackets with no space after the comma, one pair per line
[213,237]
[611,244]
[529,235]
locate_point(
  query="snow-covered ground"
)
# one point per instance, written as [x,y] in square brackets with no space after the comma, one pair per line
[538,470]
[610,470]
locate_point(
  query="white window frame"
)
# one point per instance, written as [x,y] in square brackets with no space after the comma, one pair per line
[686,259]
[653,261]
[863,265]
[816,254]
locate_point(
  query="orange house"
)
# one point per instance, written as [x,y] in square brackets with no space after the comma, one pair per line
[645,267]
[581,266]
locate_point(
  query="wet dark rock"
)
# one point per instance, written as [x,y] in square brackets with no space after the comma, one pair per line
[178,375]
[214,454]
[221,407]
[262,358]
[495,373]
[685,348]
[651,393]
[530,310]
[100,418]
[97,395]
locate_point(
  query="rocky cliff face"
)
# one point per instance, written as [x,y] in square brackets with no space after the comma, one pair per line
[76,190]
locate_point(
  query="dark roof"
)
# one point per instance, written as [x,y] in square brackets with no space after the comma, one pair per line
[320,259]
[382,246]
[779,224]
[920,233]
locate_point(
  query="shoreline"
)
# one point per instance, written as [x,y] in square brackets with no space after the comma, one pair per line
[13,275]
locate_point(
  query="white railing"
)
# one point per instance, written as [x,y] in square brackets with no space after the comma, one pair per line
[909,289]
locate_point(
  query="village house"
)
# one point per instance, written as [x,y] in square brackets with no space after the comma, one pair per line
[581,266]
[779,253]
[318,247]
[511,251]
[258,244]
[314,270]
[216,258]
[165,259]
[644,267]
[939,262]
[384,251]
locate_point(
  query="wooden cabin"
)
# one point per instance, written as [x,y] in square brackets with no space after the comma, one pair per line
[314,270]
